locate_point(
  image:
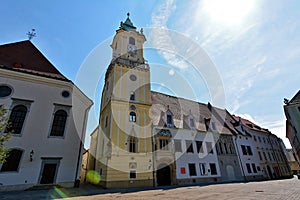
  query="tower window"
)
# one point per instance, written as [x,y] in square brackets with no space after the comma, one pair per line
[132,107]
[132,41]
[132,141]
[16,119]
[106,121]
[132,96]
[132,117]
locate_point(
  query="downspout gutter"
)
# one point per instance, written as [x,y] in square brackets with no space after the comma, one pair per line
[76,181]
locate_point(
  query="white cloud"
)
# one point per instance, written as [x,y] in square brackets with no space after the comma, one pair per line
[159,36]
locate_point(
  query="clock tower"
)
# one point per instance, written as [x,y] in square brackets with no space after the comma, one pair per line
[124,146]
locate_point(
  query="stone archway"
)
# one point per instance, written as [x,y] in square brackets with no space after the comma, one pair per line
[163,175]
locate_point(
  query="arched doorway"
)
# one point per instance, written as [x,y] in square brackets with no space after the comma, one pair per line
[230,173]
[163,175]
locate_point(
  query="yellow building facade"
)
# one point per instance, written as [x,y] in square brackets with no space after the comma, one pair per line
[124,153]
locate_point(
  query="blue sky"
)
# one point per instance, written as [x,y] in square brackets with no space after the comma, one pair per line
[253,47]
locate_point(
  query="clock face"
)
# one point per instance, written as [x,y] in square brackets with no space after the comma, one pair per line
[131,49]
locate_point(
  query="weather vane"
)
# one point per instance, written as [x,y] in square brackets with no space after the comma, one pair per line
[31,34]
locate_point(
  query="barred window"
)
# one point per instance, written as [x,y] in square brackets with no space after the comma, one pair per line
[12,161]
[16,119]
[59,123]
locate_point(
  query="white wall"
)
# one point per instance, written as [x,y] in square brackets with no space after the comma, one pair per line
[45,94]
[183,159]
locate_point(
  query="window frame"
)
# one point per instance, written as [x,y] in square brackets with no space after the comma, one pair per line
[192,169]
[132,172]
[199,148]
[164,144]
[189,148]
[177,145]
[132,96]
[58,107]
[17,119]
[203,169]
[132,116]
[19,164]
[248,166]
[27,104]
[131,40]
[209,145]
[213,168]
[132,142]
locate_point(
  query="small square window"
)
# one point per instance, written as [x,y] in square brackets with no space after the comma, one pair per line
[132,174]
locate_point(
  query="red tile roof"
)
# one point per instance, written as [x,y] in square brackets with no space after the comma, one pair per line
[250,124]
[26,58]
[183,108]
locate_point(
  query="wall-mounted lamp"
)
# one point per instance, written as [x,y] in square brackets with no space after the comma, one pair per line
[31,155]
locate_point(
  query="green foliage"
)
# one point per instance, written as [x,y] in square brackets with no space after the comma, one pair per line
[3,136]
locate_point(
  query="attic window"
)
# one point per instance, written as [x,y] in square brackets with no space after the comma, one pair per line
[192,123]
[213,124]
[169,119]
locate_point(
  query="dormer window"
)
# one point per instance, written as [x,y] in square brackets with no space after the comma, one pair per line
[132,41]
[192,123]
[213,124]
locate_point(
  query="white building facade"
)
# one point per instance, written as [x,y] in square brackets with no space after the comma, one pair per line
[48,116]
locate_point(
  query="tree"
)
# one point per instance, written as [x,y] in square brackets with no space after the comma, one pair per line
[3,136]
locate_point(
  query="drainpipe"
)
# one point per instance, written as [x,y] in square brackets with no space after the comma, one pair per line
[76,181]
[153,156]
[241,164]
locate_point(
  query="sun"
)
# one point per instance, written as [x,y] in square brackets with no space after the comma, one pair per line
[228,12]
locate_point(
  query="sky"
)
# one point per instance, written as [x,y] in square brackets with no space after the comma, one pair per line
[250,48]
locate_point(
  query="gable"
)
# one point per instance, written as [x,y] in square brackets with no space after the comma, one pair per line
[24,57]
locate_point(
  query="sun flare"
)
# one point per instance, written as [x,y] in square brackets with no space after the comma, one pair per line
[228,12]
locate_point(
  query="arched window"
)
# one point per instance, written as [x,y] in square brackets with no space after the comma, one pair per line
[132,117]
[132,107]
[12,161]
[59,123]
[16,119]
[132,41]
[132,141]
[132,96]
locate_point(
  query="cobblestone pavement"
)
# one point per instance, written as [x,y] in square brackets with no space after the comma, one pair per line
[277,189]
